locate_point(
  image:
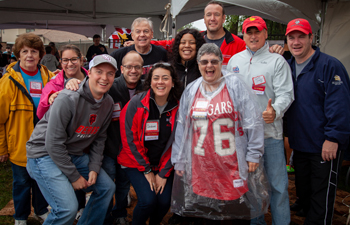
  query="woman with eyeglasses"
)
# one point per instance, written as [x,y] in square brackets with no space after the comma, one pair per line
[218,142]
[146,125]
[72,62]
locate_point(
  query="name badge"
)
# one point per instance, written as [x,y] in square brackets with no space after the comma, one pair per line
[35,89]
[259,80]
[152,130]
[200,109]
[258,90]
[116,111]
[238,183]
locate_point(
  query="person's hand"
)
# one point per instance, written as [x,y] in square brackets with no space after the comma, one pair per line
[56,71]
[94,55]
[92,178]
[329,150]
[269,114]
[4,158]
[128,43]
[180,173]
[102,49]
[252,166]
[276,49]
[160,184]
[79,184]
[53,96]
[73,84]
[151,180]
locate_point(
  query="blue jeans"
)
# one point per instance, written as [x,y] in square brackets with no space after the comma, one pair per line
[59,192]
[22,183]
[275,166]
[122,185]
[149,205]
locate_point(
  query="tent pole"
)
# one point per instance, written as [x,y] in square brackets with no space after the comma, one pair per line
[323,17]
[173,26]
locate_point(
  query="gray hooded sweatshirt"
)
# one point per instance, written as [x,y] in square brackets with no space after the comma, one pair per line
[73,123]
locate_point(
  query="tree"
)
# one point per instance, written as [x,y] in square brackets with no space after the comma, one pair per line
[233,24]
[189,26]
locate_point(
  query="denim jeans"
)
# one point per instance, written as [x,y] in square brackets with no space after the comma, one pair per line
[149,205]
[59,192]
[22,183]
[275,166]
[122,187]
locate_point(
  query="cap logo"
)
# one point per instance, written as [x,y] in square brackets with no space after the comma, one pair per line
[106,57]
[251,19]
[297,22]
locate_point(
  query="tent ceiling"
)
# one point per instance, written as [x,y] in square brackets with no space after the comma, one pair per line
[88,16]
[78,13]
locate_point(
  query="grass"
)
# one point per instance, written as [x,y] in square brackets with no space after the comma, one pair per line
[5,190]
[6,194]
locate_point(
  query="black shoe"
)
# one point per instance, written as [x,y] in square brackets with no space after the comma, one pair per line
[295,207]
[301,213]
[175,219]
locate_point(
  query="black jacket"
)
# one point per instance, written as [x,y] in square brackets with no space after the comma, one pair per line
[120,94]
[188,72]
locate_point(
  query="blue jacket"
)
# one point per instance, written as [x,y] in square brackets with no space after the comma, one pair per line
[321,109]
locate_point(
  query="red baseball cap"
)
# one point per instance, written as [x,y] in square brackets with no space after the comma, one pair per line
[254,21]
[299,24]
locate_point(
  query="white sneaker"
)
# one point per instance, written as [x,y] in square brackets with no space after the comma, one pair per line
[41,218]
[79,214]
[20,222]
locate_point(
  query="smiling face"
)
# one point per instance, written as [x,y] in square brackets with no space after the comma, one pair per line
[71,69]
[101,78]
[187,48]
[29,58]
[300,45]
[214,17]
[254,38]
[211,71]
[161,83]
[142,34]
[132,69]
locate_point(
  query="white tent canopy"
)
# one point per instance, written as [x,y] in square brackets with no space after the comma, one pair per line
[89,17]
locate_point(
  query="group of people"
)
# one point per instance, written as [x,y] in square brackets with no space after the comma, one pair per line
[201,134]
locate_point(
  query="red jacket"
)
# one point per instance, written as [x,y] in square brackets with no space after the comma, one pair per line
[231,45]
[133,120]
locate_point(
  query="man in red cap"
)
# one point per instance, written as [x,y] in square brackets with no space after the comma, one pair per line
[318,122]
[270,78]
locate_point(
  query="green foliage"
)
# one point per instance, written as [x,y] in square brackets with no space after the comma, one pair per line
[233,23]
[189,26]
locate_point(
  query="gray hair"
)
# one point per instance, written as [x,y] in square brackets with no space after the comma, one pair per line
[209,48]
[140,20]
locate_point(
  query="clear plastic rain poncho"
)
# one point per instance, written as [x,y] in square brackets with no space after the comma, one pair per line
[219,129]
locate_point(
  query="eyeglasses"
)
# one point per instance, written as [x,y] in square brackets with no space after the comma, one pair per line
[129,67]
[213,62]
[74,60]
